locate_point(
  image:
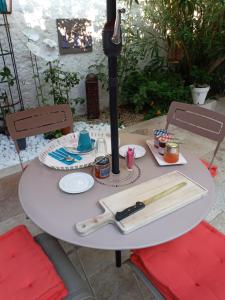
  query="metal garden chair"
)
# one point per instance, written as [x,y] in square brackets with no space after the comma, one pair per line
[198,120]
[38,120]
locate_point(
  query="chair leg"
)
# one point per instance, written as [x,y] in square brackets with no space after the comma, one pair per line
[21,163]
[214,154]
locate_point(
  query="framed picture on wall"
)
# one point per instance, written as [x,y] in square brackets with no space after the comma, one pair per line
[5,6]
[74,35]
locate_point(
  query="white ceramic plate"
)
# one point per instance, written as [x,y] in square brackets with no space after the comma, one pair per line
[139,151]
[159,157]
[75,183]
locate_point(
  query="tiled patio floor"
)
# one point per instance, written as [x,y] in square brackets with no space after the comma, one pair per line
[108,281]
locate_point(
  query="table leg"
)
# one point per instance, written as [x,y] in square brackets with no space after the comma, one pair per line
[118,258]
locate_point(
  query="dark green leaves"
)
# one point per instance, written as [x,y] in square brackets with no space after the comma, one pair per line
[7,76]
[60,83]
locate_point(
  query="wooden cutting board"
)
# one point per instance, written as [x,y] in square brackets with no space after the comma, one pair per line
[192,191]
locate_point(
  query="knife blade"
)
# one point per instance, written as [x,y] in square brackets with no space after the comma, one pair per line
[120,215]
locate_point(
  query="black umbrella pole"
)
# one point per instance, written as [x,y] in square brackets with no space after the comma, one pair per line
[112,64]
[112,50]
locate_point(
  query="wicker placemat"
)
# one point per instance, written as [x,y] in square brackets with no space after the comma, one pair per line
[71,140]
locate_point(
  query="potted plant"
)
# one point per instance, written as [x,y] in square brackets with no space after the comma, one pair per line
[200,86]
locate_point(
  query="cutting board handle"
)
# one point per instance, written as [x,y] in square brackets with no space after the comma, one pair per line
[87,226]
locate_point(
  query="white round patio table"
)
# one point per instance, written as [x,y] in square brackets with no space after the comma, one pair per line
[56,212]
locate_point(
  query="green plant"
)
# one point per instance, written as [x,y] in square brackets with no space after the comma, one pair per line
[7,76]
[4,110]
[200,77]
[99,68]
[53,134]
[153,91]
[197,26]
[61,82]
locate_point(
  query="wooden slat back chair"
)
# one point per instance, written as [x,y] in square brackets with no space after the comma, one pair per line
[38,120]
[198,120]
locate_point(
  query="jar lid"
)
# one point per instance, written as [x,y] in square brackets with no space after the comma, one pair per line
[159,132]
[101,160]
[172,145]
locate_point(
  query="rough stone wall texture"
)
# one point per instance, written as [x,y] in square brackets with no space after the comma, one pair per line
[41,15]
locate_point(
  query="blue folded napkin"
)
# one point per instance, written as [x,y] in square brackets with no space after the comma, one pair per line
[60,158]
[64,152]
[61,154]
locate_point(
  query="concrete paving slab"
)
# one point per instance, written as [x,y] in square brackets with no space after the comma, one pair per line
[9,201]
[146,294]
[67,247]
[77,262]
[219,222]
[95,260]
[18,220]
[115,283]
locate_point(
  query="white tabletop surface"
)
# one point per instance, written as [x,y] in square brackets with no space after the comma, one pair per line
[56,212]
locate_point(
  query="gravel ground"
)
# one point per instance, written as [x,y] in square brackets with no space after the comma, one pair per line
[126,118]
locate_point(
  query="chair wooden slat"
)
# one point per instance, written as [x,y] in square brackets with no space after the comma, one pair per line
[197,123]
[39,120]
[198,120]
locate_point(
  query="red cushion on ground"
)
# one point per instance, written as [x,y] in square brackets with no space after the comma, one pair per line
[192,267]
[25,271]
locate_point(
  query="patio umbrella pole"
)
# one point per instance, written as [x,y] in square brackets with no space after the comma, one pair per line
[112,48]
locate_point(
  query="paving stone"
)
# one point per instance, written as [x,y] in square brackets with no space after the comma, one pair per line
[115,283]
[129,292]
[95,260]
[145,292]
[18,220]
[9,201]
[219,204]
[213,213]
[67,247]
[219,222]
[73,256]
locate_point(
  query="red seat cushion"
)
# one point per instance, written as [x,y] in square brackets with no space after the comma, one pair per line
[192,267]
[25,271]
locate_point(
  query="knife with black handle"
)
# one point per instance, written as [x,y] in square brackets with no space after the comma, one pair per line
[120,215]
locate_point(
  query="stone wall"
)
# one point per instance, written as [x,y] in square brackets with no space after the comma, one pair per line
[41,15]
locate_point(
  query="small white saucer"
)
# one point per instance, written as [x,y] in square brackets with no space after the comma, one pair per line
[139,151]
[76,183]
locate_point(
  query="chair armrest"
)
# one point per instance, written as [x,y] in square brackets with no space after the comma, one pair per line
[77,287]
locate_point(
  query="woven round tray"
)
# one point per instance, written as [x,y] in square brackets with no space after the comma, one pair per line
[71,140]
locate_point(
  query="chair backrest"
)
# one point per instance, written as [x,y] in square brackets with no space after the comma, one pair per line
[199,120]
[39,120]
